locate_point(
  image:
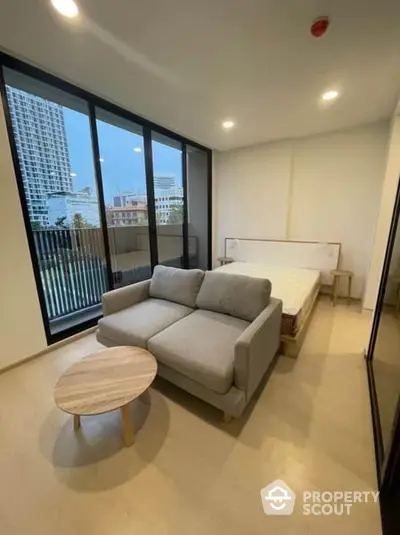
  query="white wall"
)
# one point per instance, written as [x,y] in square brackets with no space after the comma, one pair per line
[324,188]
[21,327]
[385,214]
[252,190]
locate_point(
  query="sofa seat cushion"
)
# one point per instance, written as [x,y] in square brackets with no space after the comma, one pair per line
[177,285]
[135,325]
[201,347]
[237,295]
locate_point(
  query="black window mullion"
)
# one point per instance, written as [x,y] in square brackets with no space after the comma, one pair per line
[100,191]
[151,205]
[185,222]
[209,207]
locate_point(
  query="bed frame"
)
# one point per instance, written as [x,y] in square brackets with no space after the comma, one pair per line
[324,256]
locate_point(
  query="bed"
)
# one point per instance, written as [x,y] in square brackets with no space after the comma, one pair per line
[296,270]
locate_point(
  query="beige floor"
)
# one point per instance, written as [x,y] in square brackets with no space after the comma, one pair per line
[188,473]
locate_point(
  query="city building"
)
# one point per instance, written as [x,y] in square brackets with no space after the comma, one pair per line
[129,198]
[168,202]
[120,216]
[40,136]
[169,206]
[164,182]
[63,208]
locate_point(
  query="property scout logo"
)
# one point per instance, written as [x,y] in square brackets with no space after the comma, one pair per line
[279,499]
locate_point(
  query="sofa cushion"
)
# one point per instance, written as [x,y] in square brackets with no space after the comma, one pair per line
[135,325]
[177,285]
[237,295]
[201,347]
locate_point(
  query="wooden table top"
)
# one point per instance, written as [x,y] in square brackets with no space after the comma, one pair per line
[105,380]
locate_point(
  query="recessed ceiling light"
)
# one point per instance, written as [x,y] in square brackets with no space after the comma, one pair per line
[68,8]
[72,174]
[228,124]
[137,149]
[101,160]
[330,95]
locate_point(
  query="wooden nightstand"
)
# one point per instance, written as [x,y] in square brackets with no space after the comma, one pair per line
[337,274]
[225,260]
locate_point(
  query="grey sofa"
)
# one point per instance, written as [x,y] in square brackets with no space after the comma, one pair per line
[213,334]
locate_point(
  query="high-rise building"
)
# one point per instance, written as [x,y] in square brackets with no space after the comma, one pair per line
[41,140]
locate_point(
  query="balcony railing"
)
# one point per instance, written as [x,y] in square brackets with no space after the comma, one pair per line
[73,266]
[72,269]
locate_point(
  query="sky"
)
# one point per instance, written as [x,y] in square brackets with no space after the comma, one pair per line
[122,168]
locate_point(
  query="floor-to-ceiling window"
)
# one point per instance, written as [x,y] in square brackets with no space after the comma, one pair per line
[106,195]
[53,141]
[169,199]
[125,193]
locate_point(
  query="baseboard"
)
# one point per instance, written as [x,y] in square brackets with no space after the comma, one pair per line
[48,349]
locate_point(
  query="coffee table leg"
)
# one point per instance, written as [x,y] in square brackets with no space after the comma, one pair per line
[77,422]
[127,427]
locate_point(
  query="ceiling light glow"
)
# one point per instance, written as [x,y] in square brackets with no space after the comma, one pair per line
[228,124]
[330,95]
[72,174]
[67,8]
[137,149]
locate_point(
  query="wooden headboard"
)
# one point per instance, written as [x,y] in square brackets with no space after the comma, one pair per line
[323,256]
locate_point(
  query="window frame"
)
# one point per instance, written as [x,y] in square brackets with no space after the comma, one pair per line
[151,131]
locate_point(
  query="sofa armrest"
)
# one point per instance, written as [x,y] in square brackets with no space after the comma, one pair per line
[256,347]
[124,297]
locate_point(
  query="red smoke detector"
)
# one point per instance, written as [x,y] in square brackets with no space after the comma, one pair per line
[319,26]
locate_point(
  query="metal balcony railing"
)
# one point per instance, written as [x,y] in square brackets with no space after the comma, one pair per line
[72,269]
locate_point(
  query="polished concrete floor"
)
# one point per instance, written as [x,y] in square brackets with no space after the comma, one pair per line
[188,472]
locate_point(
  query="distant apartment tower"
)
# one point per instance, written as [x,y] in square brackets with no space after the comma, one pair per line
[41,140]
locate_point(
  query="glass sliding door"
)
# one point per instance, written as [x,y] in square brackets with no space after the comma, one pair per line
[383,365]
[197,206]
[169,200]
[105,194]
[52,135]
[384,347]
[124,184]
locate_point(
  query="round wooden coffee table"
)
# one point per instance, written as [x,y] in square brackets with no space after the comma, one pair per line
[104,381]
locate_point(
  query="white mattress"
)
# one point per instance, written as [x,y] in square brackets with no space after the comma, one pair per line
[292,285]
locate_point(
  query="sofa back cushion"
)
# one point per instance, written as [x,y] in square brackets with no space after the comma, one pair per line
[237,295]
[176,285]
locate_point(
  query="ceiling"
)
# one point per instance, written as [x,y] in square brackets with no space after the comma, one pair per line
[190,64]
